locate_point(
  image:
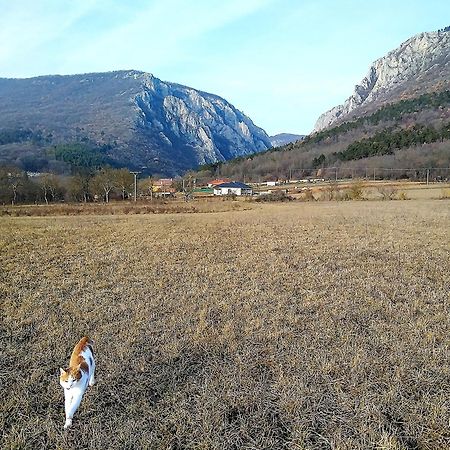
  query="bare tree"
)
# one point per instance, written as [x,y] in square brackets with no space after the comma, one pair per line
[188,187]
[49,185]
[43,183]
[79,189]
[105,181]
[124,181]
[146,187]
[16,178]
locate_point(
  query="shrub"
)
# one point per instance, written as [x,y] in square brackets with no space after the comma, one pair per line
[307,195]
[276,196]
[356,191]
[330,191]
[387,192]
[231,196]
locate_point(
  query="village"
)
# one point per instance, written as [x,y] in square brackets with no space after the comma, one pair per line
[169,187]
[315,187]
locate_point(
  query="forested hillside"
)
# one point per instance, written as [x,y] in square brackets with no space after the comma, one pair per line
[410,133]
[134,119]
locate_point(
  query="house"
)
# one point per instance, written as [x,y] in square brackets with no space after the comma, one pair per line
[233,188]
[163,182]
[163,187]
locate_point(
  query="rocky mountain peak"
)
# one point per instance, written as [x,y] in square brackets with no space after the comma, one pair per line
[144,121]
[412,68]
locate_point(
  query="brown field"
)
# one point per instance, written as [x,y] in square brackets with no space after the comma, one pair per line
[175,206]
[320,325]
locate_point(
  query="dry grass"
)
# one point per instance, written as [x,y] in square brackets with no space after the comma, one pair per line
[369,190]
[292,326]
[200,205]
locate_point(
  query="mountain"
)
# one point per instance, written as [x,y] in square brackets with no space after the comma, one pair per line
[395,124]
[285,138]
[421,64]
[398,140]
[137,119]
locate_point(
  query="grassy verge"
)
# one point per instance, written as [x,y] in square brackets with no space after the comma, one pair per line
[200,205]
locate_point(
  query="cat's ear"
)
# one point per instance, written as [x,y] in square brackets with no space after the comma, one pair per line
[61,371]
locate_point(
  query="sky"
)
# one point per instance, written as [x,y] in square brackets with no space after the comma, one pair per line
[281,62]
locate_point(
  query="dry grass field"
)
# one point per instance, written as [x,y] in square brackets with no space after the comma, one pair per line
[176,206]
[321,325]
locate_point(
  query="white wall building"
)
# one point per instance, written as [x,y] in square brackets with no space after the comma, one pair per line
[234,187]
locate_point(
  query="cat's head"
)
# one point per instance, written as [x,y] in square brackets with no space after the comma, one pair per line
[68,377]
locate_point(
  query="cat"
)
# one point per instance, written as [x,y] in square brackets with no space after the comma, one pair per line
[77,377]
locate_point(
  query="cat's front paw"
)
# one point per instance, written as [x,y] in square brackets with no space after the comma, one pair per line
[68,423]
[91,382]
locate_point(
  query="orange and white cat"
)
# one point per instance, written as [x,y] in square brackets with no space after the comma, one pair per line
[77,377]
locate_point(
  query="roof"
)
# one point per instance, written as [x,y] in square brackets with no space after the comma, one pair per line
[219,181]
[163,182]
[233,184]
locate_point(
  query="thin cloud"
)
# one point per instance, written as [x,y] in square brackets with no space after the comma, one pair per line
[160,33]
[28,25]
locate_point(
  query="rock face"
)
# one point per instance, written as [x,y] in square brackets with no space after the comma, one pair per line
[419,65]
[165,127]
[285,138]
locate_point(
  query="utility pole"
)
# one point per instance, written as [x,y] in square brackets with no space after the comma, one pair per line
[336,175]
[135,184]
[428,176]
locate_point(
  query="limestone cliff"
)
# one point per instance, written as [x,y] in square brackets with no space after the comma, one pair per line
[143,121]
[421,64]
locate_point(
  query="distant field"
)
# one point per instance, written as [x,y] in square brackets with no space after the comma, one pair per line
[371,189]
[318,325]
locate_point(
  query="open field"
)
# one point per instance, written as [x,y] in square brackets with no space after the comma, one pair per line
[320,325]
[175,206]
[371,189]
[208,203]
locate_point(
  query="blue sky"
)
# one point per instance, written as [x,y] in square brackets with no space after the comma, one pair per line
[282,62]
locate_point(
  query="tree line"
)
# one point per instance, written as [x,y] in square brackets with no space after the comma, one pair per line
[386,142]
[16,186]
[391,112]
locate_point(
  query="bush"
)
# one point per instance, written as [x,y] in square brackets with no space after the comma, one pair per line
[356,191]
[307,195]
[388,192]
[231,196]
[276,196]
[330,191]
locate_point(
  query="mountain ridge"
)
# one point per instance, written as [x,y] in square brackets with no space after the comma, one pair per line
[166,127]
[280,139]
[418,65]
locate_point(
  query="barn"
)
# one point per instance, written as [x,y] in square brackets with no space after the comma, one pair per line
[233,188]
